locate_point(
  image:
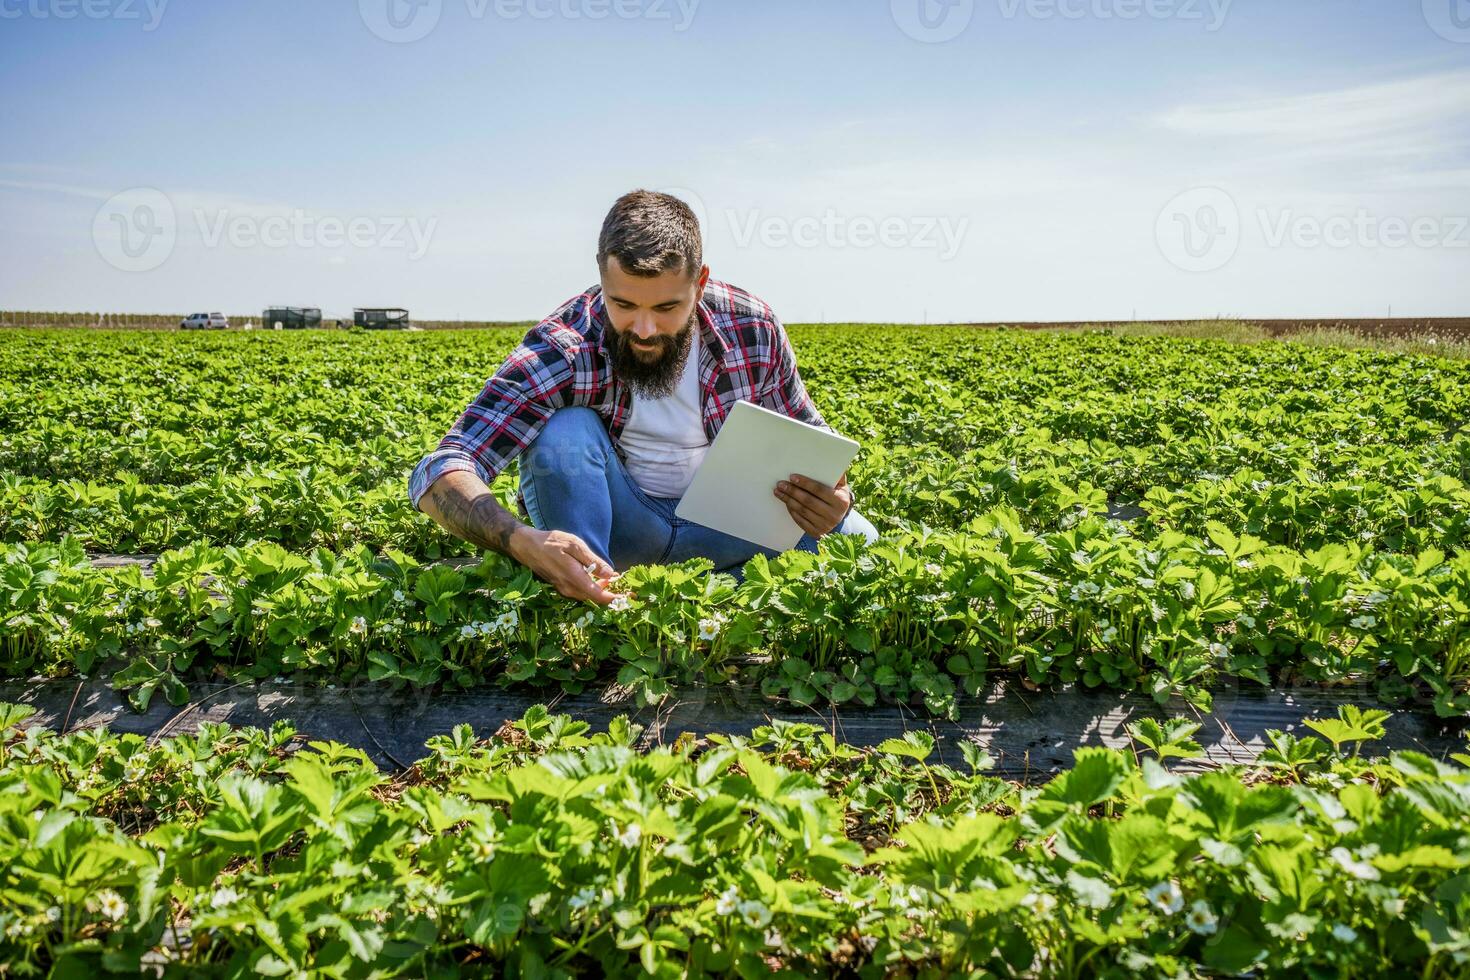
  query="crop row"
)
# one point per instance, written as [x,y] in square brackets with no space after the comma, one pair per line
[551,851]
[306,440]
[924,615]
[948,388]
[313,506]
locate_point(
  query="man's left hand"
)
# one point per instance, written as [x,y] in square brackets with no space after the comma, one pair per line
[815,507]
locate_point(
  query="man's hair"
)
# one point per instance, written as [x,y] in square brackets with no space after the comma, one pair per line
[650,233]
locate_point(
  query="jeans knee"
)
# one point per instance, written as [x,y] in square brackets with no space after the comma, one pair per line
[573,438]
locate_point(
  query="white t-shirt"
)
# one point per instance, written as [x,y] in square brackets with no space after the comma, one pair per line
[663,440]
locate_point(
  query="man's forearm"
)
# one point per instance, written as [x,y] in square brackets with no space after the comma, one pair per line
[465,507]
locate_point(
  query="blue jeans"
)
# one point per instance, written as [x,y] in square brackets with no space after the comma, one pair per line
[573,481]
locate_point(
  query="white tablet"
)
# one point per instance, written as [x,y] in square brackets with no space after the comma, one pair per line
[734,488]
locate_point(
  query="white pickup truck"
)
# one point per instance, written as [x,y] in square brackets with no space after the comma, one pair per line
[204,321]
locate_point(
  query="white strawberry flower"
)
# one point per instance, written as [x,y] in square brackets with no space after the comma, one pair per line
[1344,933]
[1201,919]
[754,913]
[1039,902]
[358,627]
[111,904]
[1166,897]
[709,628]
[629,836]
[728,902]
[620,604]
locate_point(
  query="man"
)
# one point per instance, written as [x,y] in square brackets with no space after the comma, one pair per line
[611,402]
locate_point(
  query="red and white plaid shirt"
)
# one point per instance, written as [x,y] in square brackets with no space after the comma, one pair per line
[744,355]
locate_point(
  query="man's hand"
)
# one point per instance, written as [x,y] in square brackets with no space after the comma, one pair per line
[466,508]
[564,562]
[815,507]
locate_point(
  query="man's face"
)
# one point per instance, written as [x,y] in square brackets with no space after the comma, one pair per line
[652,319]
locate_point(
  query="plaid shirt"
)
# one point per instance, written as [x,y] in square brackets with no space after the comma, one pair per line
[744,356]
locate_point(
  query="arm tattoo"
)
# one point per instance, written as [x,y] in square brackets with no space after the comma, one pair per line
[480,519]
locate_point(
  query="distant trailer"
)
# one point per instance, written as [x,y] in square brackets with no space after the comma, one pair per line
[291,317]
[381,318]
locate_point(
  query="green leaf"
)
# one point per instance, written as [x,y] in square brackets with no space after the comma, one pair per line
[913,745]
[11,714]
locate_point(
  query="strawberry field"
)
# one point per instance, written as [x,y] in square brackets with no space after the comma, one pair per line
[1150,514]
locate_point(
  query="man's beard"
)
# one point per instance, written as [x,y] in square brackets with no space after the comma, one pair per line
[648,375]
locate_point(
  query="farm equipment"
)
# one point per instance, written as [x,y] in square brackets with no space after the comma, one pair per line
[386,318]
[291,317]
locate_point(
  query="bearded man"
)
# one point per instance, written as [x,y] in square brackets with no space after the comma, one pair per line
[611,402]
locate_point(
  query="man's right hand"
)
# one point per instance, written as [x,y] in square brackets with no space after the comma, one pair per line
[564,562]
[464,506]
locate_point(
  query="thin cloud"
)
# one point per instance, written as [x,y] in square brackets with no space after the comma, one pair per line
[1430,105]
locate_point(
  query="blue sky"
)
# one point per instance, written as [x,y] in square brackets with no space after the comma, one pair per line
[948,160]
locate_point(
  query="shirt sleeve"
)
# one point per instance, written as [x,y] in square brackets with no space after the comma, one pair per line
[504,418]
[783,391]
